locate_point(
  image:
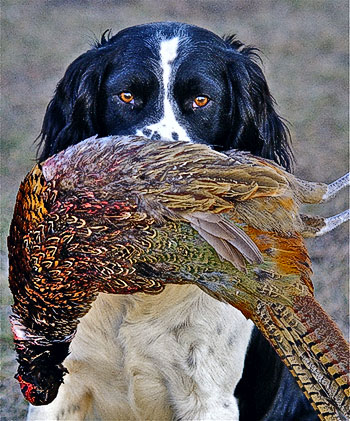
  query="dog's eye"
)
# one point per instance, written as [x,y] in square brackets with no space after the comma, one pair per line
[127,97]
[200,101]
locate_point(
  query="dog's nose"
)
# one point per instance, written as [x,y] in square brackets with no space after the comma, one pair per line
[162,133]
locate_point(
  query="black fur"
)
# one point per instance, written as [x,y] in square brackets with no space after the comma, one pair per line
[267,391]
[241,115]
[244,116]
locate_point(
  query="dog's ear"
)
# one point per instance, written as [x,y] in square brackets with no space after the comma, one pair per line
[71,116]
[255,125]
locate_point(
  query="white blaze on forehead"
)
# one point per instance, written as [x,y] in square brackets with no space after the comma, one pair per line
[168,53]
[168,125]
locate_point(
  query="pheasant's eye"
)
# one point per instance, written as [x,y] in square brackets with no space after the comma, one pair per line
[127,97]
[200,101]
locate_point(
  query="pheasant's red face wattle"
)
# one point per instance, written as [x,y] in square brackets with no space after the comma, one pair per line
[27,389]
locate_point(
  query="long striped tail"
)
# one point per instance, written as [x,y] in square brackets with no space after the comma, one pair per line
[313,349]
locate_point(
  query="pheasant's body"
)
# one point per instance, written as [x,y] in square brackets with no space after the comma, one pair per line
[125,215]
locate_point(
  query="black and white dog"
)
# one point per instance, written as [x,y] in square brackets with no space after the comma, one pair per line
[180,354]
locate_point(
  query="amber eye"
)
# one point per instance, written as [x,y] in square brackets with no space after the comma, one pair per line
[200,101]
[126,97]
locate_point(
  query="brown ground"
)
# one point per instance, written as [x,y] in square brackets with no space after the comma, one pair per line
[305,55]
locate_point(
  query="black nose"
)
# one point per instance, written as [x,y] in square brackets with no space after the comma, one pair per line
[147,132]
[156,136]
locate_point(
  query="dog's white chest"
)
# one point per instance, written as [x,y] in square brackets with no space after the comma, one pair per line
[177,355]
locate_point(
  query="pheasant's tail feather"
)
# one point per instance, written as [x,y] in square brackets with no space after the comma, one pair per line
[313,349]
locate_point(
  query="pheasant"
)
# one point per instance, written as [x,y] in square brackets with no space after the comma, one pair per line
[126,215]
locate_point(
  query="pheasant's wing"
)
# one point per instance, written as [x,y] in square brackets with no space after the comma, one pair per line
[228,240]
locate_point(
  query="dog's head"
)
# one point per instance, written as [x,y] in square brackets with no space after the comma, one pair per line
[168,80]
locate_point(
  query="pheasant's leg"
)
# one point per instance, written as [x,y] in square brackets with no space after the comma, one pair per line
[312,192]
[335,187]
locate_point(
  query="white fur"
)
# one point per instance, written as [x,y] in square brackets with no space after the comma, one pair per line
[168,123]
[176,355]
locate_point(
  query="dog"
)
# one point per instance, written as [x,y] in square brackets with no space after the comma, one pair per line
[180,354]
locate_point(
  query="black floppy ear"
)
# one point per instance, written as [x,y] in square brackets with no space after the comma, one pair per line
[255,125]
[71,116]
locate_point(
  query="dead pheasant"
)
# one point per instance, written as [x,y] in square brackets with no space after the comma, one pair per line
[126,215]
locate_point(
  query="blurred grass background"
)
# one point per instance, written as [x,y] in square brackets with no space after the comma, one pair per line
[305,46]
